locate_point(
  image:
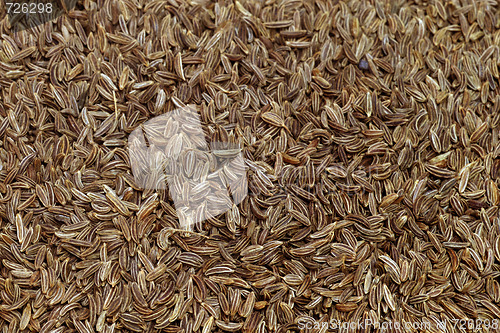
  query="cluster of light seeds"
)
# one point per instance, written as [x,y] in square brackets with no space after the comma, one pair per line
[371,134]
